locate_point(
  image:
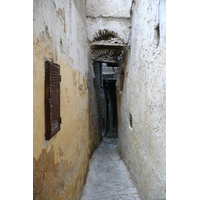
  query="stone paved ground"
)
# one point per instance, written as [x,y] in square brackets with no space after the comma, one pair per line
[108,177]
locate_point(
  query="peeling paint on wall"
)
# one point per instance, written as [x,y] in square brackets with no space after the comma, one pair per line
[60,165]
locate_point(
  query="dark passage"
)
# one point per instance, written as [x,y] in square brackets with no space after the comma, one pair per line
[111,108]
[109,76]
[105,90]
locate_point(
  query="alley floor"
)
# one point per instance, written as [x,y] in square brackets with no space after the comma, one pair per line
[108,177]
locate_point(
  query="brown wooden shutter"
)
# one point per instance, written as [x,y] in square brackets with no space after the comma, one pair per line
[52,99]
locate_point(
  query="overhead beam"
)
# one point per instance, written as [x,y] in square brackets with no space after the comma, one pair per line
[107,47]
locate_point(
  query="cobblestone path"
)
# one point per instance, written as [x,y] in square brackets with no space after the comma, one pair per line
[108,177]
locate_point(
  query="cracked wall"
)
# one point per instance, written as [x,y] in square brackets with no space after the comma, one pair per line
[60,165]
[143,147]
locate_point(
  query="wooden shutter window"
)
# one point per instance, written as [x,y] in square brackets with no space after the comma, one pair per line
[52,99]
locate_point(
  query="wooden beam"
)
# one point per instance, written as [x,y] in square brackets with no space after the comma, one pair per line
[107,47]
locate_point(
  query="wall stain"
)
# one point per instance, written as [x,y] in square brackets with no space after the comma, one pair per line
[49,179]
[54,4]
[74,78]
[80,87]
[61,153]
[61,15]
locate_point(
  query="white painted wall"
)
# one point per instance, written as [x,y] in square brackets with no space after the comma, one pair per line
[113,15]
[143,147]
[66,21]
[119,26]
[108,8]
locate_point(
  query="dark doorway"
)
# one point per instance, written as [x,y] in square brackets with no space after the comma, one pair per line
[111,104]
[105,92]
[110,108]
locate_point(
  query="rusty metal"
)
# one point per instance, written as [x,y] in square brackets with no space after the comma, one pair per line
[52,99]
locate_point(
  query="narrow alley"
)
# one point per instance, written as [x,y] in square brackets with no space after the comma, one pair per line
[99,99]
[108,177]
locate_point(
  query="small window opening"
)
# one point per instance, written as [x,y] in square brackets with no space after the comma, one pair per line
[130,120]
[157,35]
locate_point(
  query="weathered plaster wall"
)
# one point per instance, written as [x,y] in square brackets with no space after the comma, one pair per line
[60,164]
[108,14]
[142,147]
[108,8]
[96,105]
[98,85]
